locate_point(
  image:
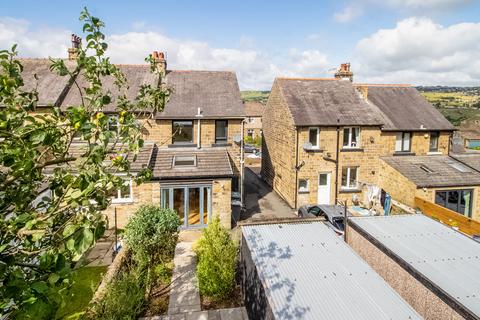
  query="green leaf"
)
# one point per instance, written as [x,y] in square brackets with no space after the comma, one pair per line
[38,137]
[40,286]
[53,278]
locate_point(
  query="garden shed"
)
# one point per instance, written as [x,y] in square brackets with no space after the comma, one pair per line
[303,270]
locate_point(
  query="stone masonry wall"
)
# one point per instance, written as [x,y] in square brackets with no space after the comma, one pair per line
[278,147]
[397,185]
[420,143]
[221,201]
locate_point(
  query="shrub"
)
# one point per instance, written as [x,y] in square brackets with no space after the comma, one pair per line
[152,234]
[124,297]
[216,253]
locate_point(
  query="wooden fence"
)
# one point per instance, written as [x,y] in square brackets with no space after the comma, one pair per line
[449,217]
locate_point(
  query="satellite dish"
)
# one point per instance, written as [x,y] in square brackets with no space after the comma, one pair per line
[307,146]
[237,138]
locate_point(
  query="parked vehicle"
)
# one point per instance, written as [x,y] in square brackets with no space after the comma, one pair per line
[248,148]
[256,155]
[333,214]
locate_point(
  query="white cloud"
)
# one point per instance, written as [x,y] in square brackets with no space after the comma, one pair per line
[426,4]
[255,69]
[420,51]
[347,14]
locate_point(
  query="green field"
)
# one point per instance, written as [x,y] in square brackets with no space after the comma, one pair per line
[451,99]
[257,96]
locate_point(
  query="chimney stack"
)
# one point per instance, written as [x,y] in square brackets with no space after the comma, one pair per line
[160,61]
[344,72]
[76,44]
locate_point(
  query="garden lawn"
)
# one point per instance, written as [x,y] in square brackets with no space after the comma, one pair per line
[86,281]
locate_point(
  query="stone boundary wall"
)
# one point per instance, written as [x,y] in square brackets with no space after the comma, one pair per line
[425,301]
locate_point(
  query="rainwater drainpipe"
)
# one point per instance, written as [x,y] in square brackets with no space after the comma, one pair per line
[337,162]
[242,164]
[199,115]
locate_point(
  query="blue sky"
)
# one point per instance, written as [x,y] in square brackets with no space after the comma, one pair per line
[392,41]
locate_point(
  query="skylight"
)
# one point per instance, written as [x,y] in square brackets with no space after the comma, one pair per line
[459,167]
[184,161]
[426,169]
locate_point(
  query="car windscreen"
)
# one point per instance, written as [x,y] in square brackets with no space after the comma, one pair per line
[315,211]
[338,223]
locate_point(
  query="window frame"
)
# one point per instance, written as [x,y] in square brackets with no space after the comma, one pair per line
[402,139]
[349,139]
[306,188]
[221,139]
[119,198]
[317,146]
[173,132]
[437,133]
[349,170]
[460,193]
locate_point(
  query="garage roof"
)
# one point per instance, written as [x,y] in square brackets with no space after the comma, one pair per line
[309,272]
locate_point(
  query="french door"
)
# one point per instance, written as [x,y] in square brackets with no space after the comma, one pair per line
[193,204]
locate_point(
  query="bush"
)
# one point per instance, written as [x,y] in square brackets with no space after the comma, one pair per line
[216,253]
[124,297]
[151,234]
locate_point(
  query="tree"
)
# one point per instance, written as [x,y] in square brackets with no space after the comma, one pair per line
[40,239]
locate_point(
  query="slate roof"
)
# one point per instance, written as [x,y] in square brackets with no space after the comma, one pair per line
[254,109]
[215,92]
[143,159]
[322,101]
[434,171]
[136,76]
[471,160]
[51,87]
[406,109]
[210,162]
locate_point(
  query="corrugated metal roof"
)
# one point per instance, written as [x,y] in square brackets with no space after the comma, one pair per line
[448,259]
[308,272]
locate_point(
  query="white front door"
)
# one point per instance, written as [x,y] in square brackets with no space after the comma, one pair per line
[324,188]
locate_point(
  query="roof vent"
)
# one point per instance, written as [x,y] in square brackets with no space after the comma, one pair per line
[184,161]
[426,169]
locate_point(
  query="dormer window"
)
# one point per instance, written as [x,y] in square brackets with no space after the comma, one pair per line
[184,161]
[351,137]
[314,137]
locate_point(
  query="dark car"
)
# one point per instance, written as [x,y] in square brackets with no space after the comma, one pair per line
[250,149]
[333,214]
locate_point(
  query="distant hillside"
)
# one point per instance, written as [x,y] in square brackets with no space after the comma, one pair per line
[257,96]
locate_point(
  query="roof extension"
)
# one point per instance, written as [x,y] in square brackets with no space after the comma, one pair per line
[434,171]
[441,256]
[309,272]
[208,163]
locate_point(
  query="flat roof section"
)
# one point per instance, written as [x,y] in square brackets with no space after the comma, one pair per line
[308,272]
[445,258]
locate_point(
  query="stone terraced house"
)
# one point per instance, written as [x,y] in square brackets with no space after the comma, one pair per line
[192,146]
[329,140]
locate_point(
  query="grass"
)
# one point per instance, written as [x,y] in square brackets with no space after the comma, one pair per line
[450,99]
[86,281]
[456,116]
[258,96]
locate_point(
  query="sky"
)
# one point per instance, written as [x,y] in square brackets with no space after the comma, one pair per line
[420,42]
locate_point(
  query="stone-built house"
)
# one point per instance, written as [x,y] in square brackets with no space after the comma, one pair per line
[326,140]
[469,131]
[193,146]
[253,120]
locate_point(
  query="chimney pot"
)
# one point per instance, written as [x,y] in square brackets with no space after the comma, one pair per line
[160,61]
[76,44]
[344,72]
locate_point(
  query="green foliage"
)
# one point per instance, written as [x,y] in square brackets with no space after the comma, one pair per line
[456,116]
[257,141]
[258,96]
[124,297]
[216,253]
[41,238]
[152,234]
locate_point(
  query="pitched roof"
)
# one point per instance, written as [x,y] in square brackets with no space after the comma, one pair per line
[210,162]
[434,171]
[50,86]
[471,160]
[254,108]
[406,108]
[142,160]
[216,93]
[323,101]
[136,75]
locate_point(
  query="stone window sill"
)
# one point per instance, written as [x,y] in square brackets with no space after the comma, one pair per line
[404,153]
[351,150]
[221,144]
[182,145]
[350,191]
[313,150]
[303,191]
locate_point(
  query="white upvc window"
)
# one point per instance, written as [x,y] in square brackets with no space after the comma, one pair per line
[303,185]
[314,137]
[349,178]
[123,194]
[402,143]
[351,137]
